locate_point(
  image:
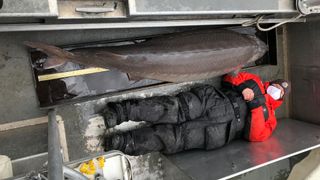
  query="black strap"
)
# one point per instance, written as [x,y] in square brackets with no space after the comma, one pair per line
[233,101]
[236,108]
[235,105]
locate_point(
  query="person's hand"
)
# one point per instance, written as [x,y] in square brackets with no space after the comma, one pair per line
[248,94]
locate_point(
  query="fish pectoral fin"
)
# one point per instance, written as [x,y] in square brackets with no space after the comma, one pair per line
[52,62]
[132,77]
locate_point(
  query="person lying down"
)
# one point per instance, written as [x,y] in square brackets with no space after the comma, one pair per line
[203,118]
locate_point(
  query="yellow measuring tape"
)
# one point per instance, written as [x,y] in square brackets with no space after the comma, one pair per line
[61,75]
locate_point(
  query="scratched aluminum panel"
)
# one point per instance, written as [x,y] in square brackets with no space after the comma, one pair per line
[28,8]
[179,7]
[291,137]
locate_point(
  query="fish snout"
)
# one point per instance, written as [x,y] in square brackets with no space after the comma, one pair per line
[260,50]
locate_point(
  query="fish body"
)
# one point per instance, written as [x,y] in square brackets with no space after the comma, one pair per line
[178,57]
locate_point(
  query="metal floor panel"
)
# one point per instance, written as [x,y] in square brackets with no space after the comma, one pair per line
[290,138]
[25,141]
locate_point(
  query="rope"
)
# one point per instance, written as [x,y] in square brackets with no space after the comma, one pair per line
[258,20]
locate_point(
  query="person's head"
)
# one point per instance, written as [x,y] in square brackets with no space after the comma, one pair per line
[278,88]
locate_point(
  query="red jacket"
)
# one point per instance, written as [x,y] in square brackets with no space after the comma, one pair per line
[262,121]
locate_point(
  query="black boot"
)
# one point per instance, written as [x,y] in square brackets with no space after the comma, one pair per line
[110,117]
[114,142]
[122,142]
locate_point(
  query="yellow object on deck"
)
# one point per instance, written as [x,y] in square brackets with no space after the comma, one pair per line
[101,161]
[88,168]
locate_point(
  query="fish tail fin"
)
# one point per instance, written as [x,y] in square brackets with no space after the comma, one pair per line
[56,56]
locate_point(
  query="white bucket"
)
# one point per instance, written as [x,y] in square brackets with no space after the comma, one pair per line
[5,167]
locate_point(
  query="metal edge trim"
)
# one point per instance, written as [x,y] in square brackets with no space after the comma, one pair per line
[29,157]
[133,24]
[13,15]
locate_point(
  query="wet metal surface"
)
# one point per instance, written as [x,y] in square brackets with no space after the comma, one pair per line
[240,156]
[82,119]
[145,167]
